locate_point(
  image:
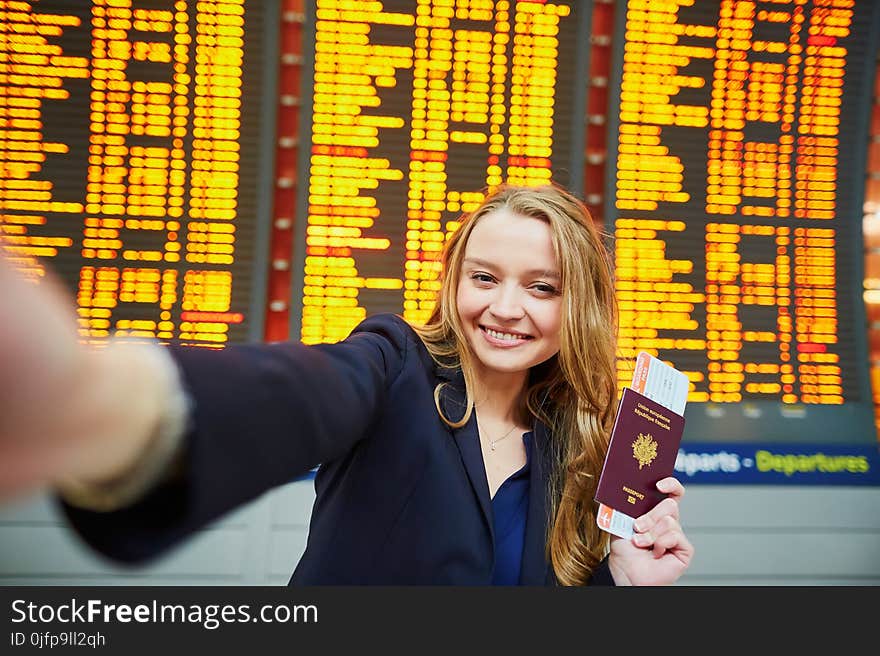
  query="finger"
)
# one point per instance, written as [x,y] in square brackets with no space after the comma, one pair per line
[643,540]
[671,486]
[666,524]
[669,506]
[675,542]
[666,542]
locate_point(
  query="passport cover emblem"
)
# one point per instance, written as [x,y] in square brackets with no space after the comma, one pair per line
[644,450]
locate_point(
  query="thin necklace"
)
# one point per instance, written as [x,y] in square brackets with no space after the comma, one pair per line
[492,442]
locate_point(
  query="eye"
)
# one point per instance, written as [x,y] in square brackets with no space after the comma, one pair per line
[479,276]
[544,289]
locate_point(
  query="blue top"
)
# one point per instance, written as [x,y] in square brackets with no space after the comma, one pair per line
[509,509]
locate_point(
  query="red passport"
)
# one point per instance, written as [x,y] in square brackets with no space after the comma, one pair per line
[643,448]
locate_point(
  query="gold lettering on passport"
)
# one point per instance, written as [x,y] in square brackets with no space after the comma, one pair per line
[652,415]
[632,494]
[644,449]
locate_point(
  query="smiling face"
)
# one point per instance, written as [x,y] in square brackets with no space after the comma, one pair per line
[509,297]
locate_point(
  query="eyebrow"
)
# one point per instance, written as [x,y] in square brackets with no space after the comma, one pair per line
[545,273]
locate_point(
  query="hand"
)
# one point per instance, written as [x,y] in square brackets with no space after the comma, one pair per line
[659,552]
[41,360]
[67,411]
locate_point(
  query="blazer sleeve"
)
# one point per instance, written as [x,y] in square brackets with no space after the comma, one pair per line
[263,415]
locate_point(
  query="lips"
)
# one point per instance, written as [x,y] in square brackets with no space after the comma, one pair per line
[505,338]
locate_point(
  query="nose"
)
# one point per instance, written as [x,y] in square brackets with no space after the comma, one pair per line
[507,304]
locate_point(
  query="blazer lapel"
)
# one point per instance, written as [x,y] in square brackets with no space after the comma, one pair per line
[453,401]
[536,569]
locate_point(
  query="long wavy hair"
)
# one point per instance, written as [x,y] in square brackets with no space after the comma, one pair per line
[575,392]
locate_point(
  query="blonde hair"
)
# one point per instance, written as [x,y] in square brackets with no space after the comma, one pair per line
[575,392]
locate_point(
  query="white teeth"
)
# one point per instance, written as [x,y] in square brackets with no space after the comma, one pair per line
[506,336]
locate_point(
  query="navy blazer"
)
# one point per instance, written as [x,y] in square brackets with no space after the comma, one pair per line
[401,498]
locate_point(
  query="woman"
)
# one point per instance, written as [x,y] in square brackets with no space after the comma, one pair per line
[464,451]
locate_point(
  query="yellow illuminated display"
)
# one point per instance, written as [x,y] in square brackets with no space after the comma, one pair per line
[477,76]
[757,87]
[162,89]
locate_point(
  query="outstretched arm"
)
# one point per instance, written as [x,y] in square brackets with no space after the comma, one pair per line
[79,419]
[261,415]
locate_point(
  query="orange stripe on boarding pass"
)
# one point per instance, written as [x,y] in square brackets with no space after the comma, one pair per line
[640,375]
[604,518]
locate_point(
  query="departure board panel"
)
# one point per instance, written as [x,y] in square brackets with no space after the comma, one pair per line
[735,201]
[417,108]
[128,132]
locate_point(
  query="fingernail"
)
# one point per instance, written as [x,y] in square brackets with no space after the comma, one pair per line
[643,539]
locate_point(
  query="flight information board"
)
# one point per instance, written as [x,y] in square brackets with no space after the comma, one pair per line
[735,201]
[129,137]
[417,107]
